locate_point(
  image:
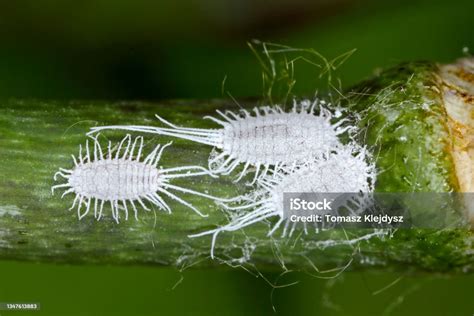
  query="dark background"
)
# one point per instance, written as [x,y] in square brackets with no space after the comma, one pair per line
[118,49]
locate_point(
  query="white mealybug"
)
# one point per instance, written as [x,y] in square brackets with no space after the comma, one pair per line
[344,171]
[121,178]
[269,138]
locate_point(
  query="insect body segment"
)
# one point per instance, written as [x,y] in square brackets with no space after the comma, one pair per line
[121,179]
[268,138]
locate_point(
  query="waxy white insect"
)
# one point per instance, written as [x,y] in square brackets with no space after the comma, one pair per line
[344,171]
[122,178]
[271,138]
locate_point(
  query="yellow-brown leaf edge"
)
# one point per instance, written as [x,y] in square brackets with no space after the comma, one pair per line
[457,88]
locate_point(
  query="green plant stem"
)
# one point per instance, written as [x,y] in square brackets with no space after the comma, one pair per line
[38,137]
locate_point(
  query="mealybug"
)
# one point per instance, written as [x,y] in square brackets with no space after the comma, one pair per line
[269,138]
[121,178]
[344,171]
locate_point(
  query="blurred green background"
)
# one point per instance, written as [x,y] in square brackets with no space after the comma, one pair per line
[106,49]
